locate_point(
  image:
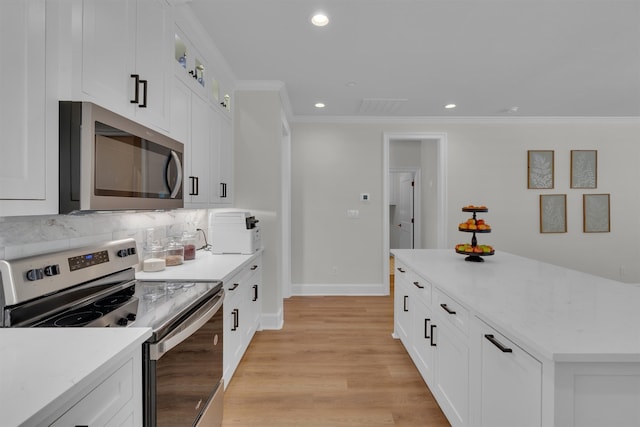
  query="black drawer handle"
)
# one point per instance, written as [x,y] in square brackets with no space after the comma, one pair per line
[433,343]
[255,293]
[405,303]
[426,326]
[253,267]
[447,309]
[235,285]
[418,285]
[498,344]
[401,270]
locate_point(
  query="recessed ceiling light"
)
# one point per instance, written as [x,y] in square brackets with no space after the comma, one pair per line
[320,105]
[319,19]
[450,106]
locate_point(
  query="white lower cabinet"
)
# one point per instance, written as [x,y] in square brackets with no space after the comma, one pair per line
[451,370]
[402,301]
[242,310]
[511,383]
[114,402]
[423,341]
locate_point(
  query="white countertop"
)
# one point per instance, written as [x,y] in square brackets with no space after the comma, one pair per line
[564,315]
[206,266]
[40,368]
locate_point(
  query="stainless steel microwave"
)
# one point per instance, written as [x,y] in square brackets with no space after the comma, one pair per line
[108,162]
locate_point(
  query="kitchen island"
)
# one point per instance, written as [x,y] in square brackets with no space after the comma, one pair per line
[516,342]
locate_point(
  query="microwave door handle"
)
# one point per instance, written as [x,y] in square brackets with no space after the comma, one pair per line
[176,188]
[156,351]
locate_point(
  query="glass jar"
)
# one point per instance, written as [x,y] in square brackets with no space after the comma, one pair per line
[154,258]
[189,243]
[175,254]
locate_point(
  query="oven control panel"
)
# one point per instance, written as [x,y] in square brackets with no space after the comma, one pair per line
[27,278]
[88,260]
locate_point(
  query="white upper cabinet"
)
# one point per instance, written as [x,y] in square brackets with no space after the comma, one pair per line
[126,49]
[23,110]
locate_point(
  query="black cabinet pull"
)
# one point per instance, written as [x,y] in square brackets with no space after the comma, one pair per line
[194,190]
[136,95]
[432,342]
[235,285]
[223,190]
[418,285]
[144,94]
[236,319]
[447,309]
[253,267]
[498,344]
[255,293]
[401,270]
[405,303]
[426,326]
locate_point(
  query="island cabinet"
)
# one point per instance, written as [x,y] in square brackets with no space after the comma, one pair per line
[510,381]
[517,342]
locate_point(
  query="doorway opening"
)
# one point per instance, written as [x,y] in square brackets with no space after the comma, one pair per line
[428,151]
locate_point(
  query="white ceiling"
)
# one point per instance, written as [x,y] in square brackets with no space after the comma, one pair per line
[546,57]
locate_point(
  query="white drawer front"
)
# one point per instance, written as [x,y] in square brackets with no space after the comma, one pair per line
[451,311]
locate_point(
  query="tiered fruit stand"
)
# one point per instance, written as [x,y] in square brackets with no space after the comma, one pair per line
[474,251]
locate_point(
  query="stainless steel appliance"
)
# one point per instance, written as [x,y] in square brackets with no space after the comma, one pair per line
[234,231]
[96,286]
[108,162]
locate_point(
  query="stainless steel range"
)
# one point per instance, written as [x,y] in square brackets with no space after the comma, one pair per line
[95,286]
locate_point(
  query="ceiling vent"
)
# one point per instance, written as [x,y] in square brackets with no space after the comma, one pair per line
[380,106]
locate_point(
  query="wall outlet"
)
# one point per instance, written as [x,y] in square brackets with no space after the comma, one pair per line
[353,213]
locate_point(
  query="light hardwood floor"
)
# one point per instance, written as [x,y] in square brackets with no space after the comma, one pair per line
[333,364]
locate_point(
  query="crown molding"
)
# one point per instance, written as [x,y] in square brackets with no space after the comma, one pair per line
[464,120]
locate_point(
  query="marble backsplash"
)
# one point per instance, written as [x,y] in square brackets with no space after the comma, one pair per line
[25,236]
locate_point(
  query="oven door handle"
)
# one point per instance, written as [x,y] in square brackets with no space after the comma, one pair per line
[191,325]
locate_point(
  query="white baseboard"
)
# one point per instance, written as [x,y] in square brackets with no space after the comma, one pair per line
[333,289]
[273,321]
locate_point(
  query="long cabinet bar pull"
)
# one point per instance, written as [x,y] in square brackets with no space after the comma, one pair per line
[405,303]
[418,285]
[433,343]
[136,96]
[255,293]
[426,327]
[498,344]
[401,270]
[447,309]
[144,94]
[236,319]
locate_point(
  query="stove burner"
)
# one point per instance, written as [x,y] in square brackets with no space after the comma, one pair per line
[78,319]
[112,300]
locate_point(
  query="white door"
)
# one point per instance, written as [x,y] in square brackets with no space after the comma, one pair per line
[405,211]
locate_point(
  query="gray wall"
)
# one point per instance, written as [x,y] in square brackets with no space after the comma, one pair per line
[258,187]
[487,164]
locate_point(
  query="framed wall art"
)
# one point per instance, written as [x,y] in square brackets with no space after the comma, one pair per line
[596,213]
[584,168]
[540,169]
[553,213]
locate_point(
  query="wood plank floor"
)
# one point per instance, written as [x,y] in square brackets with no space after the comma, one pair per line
[333,364]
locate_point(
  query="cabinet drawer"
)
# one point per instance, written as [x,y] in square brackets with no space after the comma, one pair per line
[451,311]
[511,383]
[103,402]
[421,287]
